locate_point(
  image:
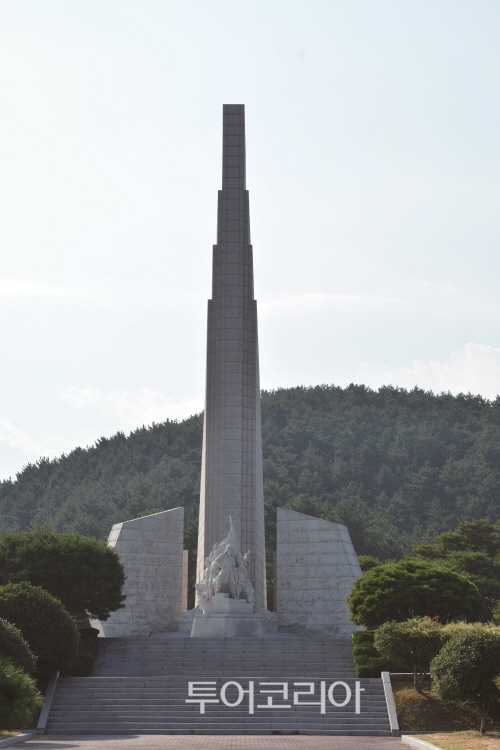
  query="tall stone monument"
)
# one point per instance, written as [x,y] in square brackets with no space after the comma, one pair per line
[316,564]
[231,472]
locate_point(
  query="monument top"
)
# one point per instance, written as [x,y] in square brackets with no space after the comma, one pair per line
[233,147]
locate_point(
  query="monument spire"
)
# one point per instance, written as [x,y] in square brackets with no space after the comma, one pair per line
[231,473]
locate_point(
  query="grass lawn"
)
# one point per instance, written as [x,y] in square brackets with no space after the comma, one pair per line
[464,740]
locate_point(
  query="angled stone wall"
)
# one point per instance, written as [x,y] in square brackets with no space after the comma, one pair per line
[150,548]
[316,566]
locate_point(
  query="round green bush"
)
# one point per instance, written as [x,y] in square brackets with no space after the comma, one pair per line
[45,624]
[14,647]
[412,588]
[466,669]
[19,697]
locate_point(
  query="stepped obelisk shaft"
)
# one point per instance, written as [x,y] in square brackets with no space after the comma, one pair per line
[231,472]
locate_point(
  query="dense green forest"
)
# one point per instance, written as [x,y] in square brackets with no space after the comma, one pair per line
[396,466]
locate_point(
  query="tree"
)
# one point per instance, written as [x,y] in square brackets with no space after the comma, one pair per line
[482,570]
[19,697]
[470,536]
[45,624]
[472,550]
[83,573]
[414,643]
[14,648]
[412,588]
[496,614]
[466,667]
[367,562]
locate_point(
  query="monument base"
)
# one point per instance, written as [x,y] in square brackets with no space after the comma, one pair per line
[222,617]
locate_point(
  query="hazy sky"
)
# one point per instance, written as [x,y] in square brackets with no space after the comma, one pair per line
[373,169]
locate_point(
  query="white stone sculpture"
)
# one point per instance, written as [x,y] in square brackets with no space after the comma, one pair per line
[226,605]
[226,571]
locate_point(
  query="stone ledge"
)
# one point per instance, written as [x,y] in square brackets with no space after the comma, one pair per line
[15,740]
[414,742]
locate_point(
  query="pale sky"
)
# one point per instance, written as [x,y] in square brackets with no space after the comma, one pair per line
[373,169]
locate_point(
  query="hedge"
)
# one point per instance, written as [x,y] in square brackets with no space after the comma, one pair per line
[367,660]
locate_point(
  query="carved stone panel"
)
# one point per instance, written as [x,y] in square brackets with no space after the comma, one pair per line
[151,551]
[316,566]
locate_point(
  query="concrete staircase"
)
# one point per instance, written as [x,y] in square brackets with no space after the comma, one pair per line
[140,685]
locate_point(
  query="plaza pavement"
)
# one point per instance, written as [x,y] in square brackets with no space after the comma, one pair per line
[213,742]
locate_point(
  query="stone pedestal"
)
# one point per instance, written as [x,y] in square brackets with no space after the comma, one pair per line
[223,617]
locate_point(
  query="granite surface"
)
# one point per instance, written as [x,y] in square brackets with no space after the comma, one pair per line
[316,566]
[150,549]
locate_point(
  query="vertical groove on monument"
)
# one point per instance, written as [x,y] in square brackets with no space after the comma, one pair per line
[231,474]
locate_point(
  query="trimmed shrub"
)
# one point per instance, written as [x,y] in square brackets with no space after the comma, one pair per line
[367,660]
[457,628]
[19,697]
[87,650]
[415,642]
[466,667]
[48,628]
[412,588]
[84,573]
[14,647]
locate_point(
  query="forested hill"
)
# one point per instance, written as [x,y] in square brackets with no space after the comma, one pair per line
[394,466]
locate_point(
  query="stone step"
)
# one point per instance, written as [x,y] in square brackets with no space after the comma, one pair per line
[190,657]
[256,669]
[202,664]
[223,730]
[135,680]
[171,692]
[309,645]
[272,647]
[170,701]
[216,658]
[160,681]
[97,694]
[171,713]
[155,711]
[92,718]
[274,722]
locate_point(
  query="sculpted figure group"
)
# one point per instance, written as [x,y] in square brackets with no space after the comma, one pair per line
[226,571]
